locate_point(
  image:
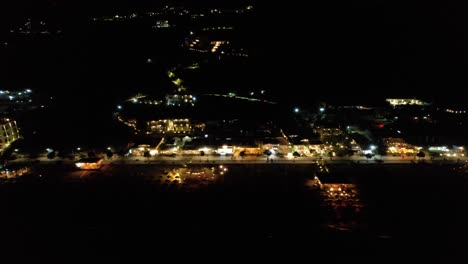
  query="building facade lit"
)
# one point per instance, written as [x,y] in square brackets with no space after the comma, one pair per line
[399,146]
[175,126]
[405,101]
[9,133]
[180,99]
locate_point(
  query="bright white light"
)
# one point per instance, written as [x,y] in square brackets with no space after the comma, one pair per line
[262,91]
[372,147]
[49,149]
[206,135]
[296,110]
[78,148]
[119,107]
[153,152]
[135,100]
[322,109]
[108,148]
[399,132]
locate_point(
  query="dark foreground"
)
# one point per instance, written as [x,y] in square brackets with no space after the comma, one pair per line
[123,214]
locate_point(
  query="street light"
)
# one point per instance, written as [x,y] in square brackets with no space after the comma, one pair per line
[322,109]
[296,110]
[372,147]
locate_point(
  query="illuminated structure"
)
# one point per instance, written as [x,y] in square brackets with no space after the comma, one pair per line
[180,99]
[328,132]
[177,126]
[89,164]
[8,173]
[405,101]
[447,152]
[162,24]
[399,146]
[9,133]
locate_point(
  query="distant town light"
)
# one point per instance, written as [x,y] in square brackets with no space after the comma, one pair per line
[78,148]
[296,110]
[372,147]
[119,107]
[322,109]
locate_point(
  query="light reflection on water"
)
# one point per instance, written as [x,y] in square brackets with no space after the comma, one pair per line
[342,202]
[192,177]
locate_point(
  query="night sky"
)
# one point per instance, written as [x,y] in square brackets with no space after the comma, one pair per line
[355,49]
